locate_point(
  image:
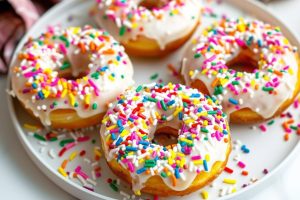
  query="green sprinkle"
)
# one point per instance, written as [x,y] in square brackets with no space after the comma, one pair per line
[39,137]
[139,88]
[122,30]
[163,174]
[114,187]
[204,130]
[163,105]
[271,122]
[294,127]
[150,163]
[212,112]
[152,99]
[94,106]
[93,141]
[154,76]
[197,55]
[267,89]
[235,83]
[66,141]
[53,139]
[65,65]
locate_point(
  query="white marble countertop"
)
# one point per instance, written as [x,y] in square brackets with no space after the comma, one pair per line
[21,179]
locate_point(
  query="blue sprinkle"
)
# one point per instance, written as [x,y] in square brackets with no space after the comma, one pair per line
[145,143]
[171,102]
[243,147]
[200,109]
[141,170]
[41,95]
[120,101]
[177,175]
[180,116]
[131,148]
[121,129]
[119,141]
[196,95]
[119,123]
[225,132]
[259,42]
[34,85]
[205,165]
[233,101]
[130,119]
[113,136]
[103,68]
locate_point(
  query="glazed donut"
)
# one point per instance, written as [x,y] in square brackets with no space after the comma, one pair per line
[66,77]
[147,27]
[131,124]
[248,65]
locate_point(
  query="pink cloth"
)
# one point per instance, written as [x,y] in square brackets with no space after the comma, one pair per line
[16,17]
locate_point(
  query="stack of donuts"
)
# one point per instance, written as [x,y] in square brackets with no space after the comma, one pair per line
[236,70]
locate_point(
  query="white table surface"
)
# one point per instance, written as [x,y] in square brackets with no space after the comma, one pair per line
[21,179]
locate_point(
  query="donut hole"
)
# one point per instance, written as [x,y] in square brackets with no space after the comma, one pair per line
[244,62]
[165,136]
[153,4]
[74,67]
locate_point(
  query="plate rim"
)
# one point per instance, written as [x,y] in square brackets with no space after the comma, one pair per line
[76,190]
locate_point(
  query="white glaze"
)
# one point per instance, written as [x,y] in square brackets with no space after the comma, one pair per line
[259,101]
[165,30]
[216,149]
[108,89]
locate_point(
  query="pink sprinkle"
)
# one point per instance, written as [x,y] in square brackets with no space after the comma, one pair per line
[83,139]
[130,166]
[196,157]
[77,169]
[241,164]
[84,175]
[63,49]
[262,127]
[70,145]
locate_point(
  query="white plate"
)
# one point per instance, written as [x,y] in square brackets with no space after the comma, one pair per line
[268,150]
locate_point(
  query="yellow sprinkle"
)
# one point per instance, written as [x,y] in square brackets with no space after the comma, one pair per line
[291,71]
[188,121]
[63,94]
[31,127]
[229,181]
[105,119]
[141,161]
[178,110]
[134,25]
[87,99]
[73,155]
[233,190]
[138,193]
[62,172]
[111,127]
[207,157]
[198,162]
[204,194]
[97,152]
[107,137]
[124,133]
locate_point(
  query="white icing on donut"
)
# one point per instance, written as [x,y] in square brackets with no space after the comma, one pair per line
[36,73]
[126,20]
[130,123]
[264,90]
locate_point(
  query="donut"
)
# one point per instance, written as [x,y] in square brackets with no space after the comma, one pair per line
[197,156]
[67,76]
[249,65]
[149,28]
